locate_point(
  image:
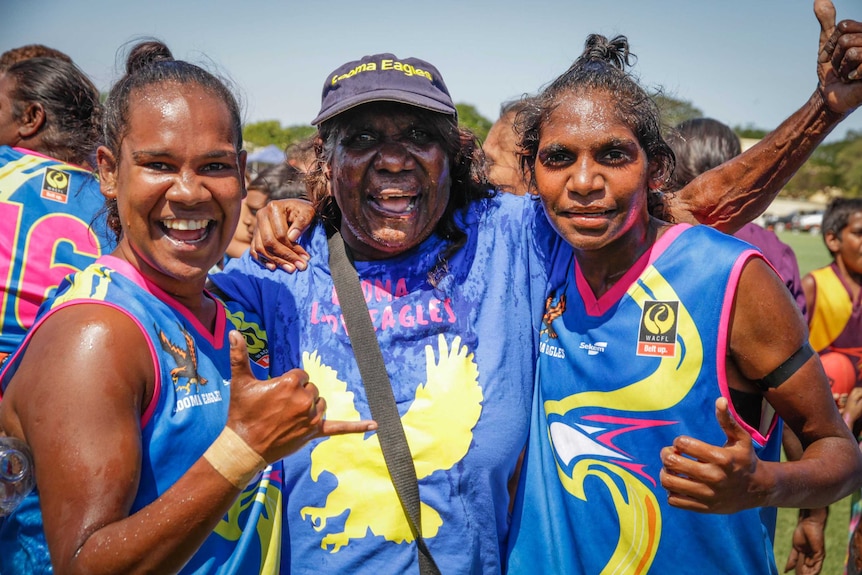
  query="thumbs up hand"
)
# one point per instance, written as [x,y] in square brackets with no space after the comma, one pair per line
[839,68]
[707,478]
[277,416]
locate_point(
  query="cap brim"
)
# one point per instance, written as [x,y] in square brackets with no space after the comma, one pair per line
[385,96]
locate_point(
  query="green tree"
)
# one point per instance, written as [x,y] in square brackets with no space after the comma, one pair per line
[810,178]
[848,167]
[269,132]
[836,165]
[750,131]
[299,132]
[470,118]
[264,133]
[674,111]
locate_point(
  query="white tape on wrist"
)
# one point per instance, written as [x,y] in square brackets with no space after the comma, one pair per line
[234,459]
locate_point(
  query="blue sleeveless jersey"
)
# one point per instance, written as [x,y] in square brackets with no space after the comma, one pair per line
[461,360]
[46,210]
[618,379]
[188,411]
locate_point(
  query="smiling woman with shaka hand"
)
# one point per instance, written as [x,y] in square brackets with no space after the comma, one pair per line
[151,436]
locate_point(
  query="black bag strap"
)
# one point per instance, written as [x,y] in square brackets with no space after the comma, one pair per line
[381,400]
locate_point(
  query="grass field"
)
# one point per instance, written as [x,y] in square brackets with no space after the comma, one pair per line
[810,251]
[810,254]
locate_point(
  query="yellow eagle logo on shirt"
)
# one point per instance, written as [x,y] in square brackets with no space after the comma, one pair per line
[438,426]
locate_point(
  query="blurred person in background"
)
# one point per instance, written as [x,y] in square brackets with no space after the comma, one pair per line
[276,182]
[49,128]
[301,155]
[834,295]
[502,157]
[16,55]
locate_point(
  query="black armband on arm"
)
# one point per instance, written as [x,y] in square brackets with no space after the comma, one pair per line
[783,372]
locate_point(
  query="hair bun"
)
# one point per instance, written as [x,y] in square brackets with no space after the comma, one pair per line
[146,54]
[614,52]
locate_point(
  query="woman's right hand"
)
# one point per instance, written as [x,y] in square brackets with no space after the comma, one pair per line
[277,416]
[279,225]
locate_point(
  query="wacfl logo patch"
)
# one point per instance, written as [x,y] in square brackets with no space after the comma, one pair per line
[55,185]
[657,333]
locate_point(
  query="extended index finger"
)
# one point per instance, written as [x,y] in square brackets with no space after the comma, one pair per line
[330,427]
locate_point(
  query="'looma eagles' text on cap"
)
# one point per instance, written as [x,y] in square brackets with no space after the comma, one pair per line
[384,77]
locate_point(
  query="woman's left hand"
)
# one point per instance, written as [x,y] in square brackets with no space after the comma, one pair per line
[279,225]
[706,478]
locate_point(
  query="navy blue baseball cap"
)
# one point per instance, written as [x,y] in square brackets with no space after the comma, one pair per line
[386,78]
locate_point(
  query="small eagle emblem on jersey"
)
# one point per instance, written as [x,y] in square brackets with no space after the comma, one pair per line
[186,360]
[552,313]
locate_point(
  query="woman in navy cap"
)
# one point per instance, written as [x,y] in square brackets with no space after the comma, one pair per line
[442,262]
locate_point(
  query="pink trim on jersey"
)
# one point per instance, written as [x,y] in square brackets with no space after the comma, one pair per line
[3,357]
[215,338]
[599,307]
[157,388]
[723,336]
[40,155]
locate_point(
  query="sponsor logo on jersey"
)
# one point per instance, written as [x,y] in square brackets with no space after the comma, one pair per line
[55,185]
[657,333]
[594,348]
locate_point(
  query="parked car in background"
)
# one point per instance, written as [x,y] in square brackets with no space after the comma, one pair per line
[810,222]
[798,221]
[778,223]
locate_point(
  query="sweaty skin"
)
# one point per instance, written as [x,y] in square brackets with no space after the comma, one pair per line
[390,179]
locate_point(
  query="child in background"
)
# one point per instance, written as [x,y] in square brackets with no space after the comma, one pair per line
[832,292]
[835,324]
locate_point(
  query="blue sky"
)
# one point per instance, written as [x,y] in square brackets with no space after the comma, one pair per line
[740,61]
